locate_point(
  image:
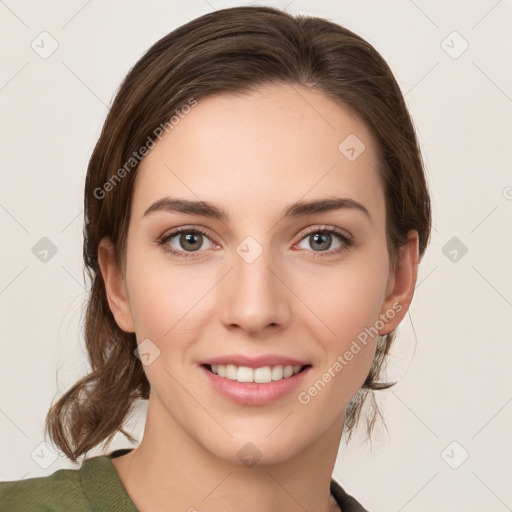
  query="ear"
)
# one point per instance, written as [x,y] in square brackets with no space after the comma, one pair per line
[115,286]
[401,284]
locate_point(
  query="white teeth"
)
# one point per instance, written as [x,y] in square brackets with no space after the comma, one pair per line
[277,373]
[260,375]
[287,371]
[263,375]
[244,374]
[231,371]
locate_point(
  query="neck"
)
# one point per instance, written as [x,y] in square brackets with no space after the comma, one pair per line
[171,471]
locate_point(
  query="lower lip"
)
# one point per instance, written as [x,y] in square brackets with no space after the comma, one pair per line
[253,393]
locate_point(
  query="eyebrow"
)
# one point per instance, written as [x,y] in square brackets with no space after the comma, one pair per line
[297,209]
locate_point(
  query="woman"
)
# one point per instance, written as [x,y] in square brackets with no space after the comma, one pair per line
[255,211]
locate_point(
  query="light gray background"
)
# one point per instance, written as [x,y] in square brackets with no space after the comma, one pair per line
[453,356]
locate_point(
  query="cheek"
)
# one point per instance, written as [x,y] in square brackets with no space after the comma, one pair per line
[166,299]
[348,302]
[346,299]
[348,312]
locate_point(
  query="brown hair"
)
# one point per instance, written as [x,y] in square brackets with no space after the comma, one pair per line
[229,50]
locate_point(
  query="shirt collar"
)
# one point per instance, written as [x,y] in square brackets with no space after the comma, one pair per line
[102,485]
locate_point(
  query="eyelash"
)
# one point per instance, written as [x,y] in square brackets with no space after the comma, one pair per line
[346,240]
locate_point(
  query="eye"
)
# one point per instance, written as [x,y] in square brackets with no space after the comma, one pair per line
[184,241]
[320,240]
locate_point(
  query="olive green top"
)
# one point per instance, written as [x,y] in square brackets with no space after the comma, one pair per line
[95,487]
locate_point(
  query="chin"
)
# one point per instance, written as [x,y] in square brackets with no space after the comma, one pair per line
[250,448]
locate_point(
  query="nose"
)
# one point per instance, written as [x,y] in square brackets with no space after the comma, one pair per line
[255,297]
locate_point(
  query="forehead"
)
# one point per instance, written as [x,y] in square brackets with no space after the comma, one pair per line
[265,149]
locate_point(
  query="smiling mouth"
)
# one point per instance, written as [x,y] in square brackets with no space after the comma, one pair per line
[262,375]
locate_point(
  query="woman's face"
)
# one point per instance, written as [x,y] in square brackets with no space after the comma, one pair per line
[254,281]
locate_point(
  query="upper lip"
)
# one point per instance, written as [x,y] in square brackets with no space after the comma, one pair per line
[255,361]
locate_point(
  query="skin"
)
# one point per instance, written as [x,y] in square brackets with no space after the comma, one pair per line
[252,155]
